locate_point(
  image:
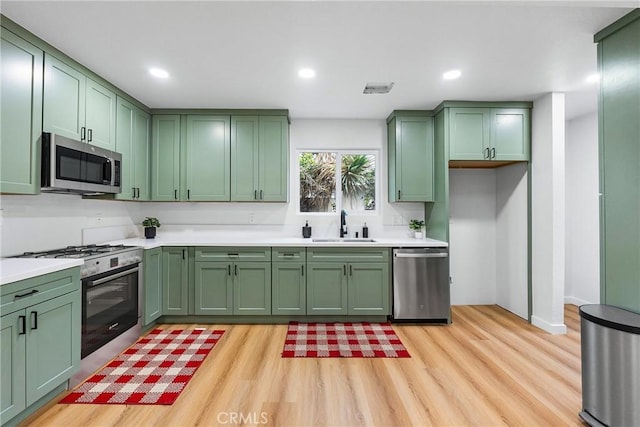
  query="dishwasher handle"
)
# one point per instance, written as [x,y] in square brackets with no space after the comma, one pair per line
[421,255]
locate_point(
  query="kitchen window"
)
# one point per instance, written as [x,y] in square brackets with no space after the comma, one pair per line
[320,173]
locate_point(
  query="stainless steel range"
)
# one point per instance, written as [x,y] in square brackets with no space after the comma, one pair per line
[111,300]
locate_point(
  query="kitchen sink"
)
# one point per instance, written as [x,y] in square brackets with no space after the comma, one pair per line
[343,240]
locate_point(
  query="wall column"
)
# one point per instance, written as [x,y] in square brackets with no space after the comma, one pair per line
[548,213]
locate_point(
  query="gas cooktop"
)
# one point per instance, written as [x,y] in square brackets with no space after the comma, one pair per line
[84,251]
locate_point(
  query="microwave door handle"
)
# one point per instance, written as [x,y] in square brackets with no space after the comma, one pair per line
[107,169]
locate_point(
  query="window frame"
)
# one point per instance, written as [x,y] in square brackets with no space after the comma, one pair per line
[339,206]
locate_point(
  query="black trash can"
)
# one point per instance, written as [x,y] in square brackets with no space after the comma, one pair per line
[610,339]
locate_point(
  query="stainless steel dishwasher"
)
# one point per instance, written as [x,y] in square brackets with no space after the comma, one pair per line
[421,284]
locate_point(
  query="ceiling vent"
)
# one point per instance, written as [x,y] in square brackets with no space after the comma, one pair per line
[377,88]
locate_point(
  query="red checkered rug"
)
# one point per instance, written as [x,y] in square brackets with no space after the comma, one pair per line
[342,340]
[152,371]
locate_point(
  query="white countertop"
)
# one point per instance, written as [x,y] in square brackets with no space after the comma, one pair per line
[15,269]
[208,239]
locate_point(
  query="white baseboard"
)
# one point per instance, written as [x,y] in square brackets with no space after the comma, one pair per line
[552,328]
[576,301]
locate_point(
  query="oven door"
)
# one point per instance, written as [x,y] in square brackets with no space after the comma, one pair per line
[109,306]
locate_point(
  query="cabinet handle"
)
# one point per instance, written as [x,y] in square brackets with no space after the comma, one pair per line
[33,291]
[350,270]
[302,266]
[137,192]
[34,320]
[183,254]
[83,133]
[23,324]
[133,191]
[398,194]
[90,134]
[235,269]
[229,269]
[175,194]
[255,194]
[493,153]
[260,194]
[344,270]
[188,194]
[487,154]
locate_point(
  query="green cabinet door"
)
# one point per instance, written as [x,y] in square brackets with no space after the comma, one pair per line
[252,288]
[12,365]
[369,290]
[326,288]
[165,158]
[244,158]
[619,136]
[152,285]
[289,288]
[53,344]
[213,287]
[273,159]
[140,151]
[132,141]
[100,115]
[124,145]
[511,132]
[64,99]
[20,115]
[410,144]
[175,281]
[470,133]
[208,158]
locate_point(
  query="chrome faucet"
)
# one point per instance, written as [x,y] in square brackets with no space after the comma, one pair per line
[343,223]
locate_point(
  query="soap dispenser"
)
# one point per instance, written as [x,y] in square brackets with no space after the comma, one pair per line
[365,231]
[306,230]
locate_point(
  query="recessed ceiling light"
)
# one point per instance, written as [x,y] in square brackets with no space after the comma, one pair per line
[306,73]
[452,74]
[159,73]
[593,78]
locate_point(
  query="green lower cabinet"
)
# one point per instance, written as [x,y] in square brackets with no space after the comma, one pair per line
[288,288]
[12,366]
[213,287]
[152,285]
[252,288]
[175,281]
[40,350]
[232,288]
[369,289]
[326,288]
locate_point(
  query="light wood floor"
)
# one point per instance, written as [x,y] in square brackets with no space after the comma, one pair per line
[489,368]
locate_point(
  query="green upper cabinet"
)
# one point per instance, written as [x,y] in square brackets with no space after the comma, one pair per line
[20,115]
[410,157]
[259,158]
[133,133]
[619,136]
[497,134]
[207,158]
[165,158]
[77,107]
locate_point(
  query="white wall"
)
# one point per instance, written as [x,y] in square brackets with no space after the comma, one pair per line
[49,221]
[472,236]
[512,242]
[46,221]
[548,213]
[582,268]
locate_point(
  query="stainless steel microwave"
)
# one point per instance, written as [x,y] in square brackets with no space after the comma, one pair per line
[74,167]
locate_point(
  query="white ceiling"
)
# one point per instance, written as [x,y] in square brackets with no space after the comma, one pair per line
[246,54]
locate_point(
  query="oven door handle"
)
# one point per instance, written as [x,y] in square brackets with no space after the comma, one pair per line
[92,283]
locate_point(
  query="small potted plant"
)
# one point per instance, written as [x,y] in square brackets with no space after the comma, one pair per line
[416,225]
[150,225]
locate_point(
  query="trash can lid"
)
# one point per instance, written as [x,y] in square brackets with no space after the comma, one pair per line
[612,317]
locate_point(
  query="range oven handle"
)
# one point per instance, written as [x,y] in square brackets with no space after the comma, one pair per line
[92,283]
